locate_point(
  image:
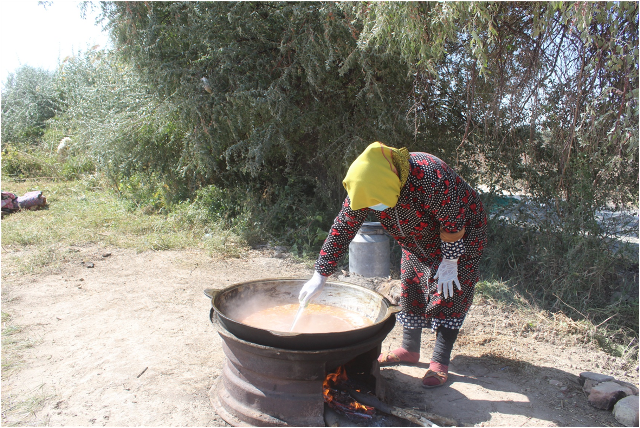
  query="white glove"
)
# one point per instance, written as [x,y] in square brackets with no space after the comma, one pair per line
[311,288]
[446,275]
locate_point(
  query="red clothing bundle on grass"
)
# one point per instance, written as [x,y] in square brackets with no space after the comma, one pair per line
[30,201]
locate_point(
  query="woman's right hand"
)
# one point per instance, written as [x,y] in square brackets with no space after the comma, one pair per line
[447,275]
[311,288]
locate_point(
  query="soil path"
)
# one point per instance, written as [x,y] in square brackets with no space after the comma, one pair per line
[129,343]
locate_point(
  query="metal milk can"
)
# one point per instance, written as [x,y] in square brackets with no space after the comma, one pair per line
[369,252]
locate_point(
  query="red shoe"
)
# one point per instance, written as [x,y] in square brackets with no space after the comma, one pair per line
[436,376]
[398,356]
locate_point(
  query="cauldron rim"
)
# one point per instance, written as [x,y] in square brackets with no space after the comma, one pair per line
[297,341]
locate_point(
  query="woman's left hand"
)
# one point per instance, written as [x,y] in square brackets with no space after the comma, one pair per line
[446,276]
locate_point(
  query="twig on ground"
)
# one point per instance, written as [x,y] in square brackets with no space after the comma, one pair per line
[606,320]
[585,317]
[142,372]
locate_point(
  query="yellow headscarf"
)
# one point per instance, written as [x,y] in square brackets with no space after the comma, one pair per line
[377,176]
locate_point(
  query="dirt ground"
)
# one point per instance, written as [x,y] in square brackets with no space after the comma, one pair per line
[128,342]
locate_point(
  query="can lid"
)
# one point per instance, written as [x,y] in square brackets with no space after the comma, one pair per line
[372,228]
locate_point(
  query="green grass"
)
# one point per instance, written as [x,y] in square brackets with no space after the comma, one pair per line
[83,211]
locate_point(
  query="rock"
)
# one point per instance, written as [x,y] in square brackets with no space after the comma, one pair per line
[588,384]
[390,289]
[589,379]
[596,377]
[628,389]
[632,388]
[555,382]
[626,411]
[606,394]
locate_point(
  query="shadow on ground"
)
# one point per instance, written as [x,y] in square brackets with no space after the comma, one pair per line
[483,391]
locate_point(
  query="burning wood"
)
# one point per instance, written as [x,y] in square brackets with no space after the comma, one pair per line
[344,398]
[415,416]
[336,395]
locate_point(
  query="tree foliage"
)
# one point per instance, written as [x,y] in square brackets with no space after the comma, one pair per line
[29,99]
[288,97]
[551,88]
[111,113]
[527,94]
[547,94]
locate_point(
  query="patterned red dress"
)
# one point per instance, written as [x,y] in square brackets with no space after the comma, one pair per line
[433,198]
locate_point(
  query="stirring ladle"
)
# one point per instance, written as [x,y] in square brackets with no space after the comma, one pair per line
[298,315]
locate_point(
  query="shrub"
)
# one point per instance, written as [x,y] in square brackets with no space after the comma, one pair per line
[27,163]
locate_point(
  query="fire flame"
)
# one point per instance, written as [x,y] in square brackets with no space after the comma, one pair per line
[341,400]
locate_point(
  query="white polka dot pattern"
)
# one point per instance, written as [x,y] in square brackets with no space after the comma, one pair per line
[452,250]
[412,321]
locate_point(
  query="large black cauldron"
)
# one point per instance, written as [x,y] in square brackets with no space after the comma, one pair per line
[228,304]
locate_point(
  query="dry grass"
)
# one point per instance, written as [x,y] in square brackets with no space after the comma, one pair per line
[23,411]
[502,323]
[513,333]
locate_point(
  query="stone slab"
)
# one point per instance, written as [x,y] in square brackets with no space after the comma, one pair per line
[596,377]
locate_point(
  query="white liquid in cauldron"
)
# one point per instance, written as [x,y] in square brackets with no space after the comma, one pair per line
[315,319]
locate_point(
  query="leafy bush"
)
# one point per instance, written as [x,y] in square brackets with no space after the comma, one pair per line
[22,164]
[37,163]
[288,97]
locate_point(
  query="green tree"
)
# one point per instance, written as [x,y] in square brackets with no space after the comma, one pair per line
[120,123]
[275,99]
[550,96]
[29,99]
[290,95]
